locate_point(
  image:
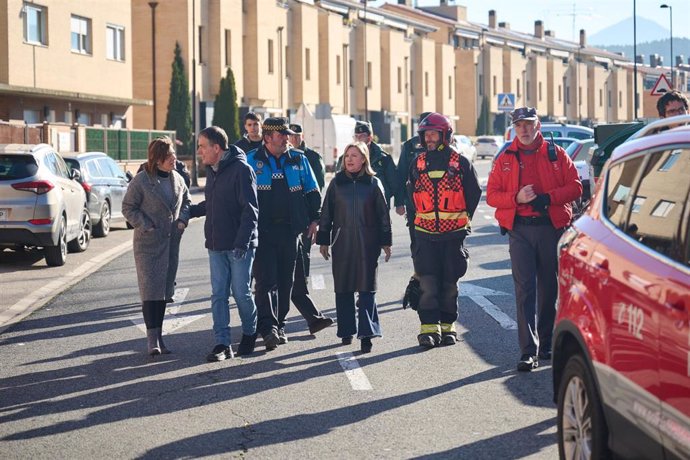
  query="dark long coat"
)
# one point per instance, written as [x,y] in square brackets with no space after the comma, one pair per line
[356,223]
[156,240]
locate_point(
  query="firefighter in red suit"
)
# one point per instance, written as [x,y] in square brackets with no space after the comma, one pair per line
[531,185]
[445,193]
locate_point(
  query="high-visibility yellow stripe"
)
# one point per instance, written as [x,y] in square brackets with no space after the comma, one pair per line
[430,329]
[436,174]
[445,327]
[443,215]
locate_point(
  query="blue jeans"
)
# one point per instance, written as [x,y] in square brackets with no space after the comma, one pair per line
[226,272]
[367,315]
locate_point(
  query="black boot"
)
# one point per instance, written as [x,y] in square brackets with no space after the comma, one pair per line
[161,345]
[366,345]
[247,344]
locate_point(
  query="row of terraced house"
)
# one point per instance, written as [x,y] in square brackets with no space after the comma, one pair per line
[109,64]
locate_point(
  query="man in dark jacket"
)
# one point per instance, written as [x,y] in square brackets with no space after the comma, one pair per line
[532,185]
[289,205]
[300,297]
[231,210]
[252,139]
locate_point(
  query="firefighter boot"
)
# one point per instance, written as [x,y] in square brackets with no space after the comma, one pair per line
[448,334]
[429,335]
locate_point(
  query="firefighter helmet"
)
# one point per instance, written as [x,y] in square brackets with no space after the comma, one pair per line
[436,122]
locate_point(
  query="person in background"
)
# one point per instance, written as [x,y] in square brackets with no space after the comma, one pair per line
[252,139]
[532,185]
[671,104]
[231,210]
[356,225]
[157,206]
[300,297]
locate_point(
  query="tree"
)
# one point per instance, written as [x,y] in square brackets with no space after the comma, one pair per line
[483,121]
[179,118]
[226,112]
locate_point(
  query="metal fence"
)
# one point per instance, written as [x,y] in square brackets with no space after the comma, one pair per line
[122,144]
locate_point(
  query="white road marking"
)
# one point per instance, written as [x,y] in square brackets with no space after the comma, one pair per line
[317,282]
[477,294]
[40,297]
[355,374]
[171,321]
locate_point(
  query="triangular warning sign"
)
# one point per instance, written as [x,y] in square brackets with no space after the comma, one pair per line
[661,87]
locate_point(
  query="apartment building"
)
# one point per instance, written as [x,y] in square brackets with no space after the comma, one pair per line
[67,62]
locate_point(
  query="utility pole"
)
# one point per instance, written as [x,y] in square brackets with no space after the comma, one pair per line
[153,6]
[195,172]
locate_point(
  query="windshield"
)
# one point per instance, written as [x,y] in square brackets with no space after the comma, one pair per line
[17,167]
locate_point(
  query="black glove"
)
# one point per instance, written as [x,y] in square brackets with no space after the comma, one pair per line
[412,294]
[238,253]
[541,202]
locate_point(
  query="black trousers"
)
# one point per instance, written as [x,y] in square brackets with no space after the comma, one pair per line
[274,270]
[300,292]
[534,261]
[153,311]
[439,265]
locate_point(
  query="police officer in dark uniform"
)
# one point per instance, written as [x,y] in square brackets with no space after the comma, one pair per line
[445,193]
[381,162]
[289,205]
[300,297]
[411,148]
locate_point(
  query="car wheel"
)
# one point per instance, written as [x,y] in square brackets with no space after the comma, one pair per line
[102,228]
[57,255]
[582,431]
[81,242]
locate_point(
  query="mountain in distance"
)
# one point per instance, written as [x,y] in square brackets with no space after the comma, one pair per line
[681,46]
[621,33]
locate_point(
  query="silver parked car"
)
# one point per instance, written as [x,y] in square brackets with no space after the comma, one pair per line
[105,184]
[41,203]
[465,147]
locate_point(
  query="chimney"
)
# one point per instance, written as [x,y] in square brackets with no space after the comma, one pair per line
[492,19]
[504,25]
[679,60]
[583,38]
[550,33]
[640,59]
[539,29]
[654,60]
[405,2]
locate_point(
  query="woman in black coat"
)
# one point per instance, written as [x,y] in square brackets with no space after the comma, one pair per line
[356,225]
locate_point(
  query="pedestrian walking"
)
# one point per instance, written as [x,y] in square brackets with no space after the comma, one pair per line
[289,205]
[356,225]
[252,138]
[445,193]
[157,206]
[532,185]
[231,234]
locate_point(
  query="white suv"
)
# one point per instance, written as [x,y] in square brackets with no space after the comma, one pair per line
[41,203]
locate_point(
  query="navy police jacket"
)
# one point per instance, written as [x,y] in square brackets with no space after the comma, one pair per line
[304,199]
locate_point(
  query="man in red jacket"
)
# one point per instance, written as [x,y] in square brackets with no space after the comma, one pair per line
[531,185]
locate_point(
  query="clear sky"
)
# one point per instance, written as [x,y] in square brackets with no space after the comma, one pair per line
[591,15]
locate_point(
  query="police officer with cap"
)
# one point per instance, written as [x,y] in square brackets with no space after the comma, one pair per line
[532,185]
[289,205]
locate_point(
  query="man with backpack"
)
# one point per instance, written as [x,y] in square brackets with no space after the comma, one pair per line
[532,185]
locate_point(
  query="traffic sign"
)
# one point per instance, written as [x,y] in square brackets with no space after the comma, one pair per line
[506,102]
[661,87]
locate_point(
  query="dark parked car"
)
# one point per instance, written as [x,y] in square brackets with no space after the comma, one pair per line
[621,343]
[105,184]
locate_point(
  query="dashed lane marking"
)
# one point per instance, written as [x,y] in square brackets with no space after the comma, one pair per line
[354,373]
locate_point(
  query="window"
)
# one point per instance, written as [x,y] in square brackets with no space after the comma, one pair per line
[609,98]
[35,24]
[620,181]
[412,82]
[517,88]
[494,85]
[527,90]
[31,116]
[307,64]
[228,48]
[656,222]
[202,57]
[337,70]
[399,80]
[539,91]
[450,88]
[368,76]
[270,56]
[81,35]
[560,98]
[350,75]
[601,98]
[579,95]
[567,94]
[426,83]
[671,160]
[620,99]
[115,42]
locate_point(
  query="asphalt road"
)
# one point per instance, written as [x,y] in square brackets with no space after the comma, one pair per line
[75,379]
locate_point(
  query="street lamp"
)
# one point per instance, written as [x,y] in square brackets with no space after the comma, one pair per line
[670,20]
[153,6]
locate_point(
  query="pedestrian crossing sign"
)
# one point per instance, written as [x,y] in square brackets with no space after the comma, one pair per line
[506,102]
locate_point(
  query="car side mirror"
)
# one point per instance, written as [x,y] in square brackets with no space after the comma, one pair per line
[74,174]
[129,176]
